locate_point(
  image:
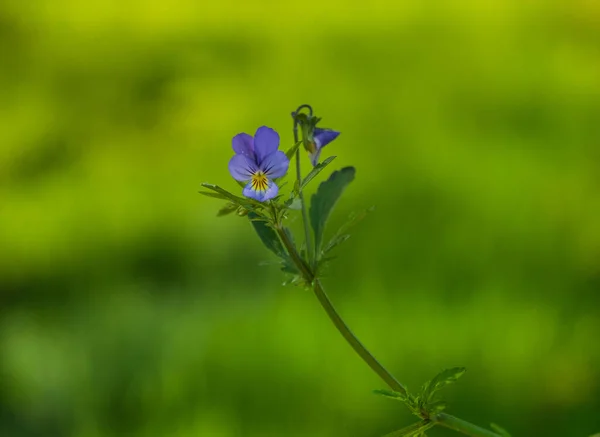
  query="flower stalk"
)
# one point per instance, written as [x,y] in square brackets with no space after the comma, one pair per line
[258,165]
[309,277]
[308,240]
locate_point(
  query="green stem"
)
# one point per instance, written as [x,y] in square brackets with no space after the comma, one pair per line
[358,347]
[308,273]
[307,238]
[441,419]
[462,426]
[298,261]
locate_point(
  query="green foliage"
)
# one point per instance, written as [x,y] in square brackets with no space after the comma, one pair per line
[292,150]
[229,208]
[392,394]
[341,235]
[221,193]
[323,201]
[315,171]
[425,404]
[271,240]
[415,430]
[442,379]
[267,235]
[504,433]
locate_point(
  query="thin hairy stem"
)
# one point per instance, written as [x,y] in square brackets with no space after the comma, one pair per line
[307,238]
[307,270]
[358,347]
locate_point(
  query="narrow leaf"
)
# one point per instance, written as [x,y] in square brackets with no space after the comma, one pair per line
[323,201]
[288,267]
[227,195]
[241,211]
[227,209]
[292,150]
[445,377]
[355,218]
[391,394]
[315,171]
[335,241]
[267,235]
[504,433]
[214,195]
[293,203]
[413,430]
[341,235]
[436,407]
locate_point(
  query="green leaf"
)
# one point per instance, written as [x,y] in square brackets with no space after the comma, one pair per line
[392,394]
[289,268]
[413,430]
[340,236]
[315,171]
[224,194]
[504,433]
[294,204]
[335,241]
[323,201]
[436,407]
[267,235]
[214,195]
[442,379]
[292,150]
[241,211]
[229,208]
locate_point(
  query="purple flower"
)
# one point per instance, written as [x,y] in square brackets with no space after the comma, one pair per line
[321,137]
[257,161]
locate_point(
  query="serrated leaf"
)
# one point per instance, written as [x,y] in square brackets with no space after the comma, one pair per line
[442,379]
[413,430]
[292,150]
[229,208]
[315,171]
[504,433]
[323,201]
[268,236]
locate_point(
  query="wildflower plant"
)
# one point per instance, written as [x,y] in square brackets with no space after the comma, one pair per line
[258,165]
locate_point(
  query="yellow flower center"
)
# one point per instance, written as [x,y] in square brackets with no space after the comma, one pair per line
[259,181]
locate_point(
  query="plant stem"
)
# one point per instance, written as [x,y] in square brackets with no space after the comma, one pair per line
[441,419]
[462,426]
[358,347]
[300,263]
[307,269]
[309,251]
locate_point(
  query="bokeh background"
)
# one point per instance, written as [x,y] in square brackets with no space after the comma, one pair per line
[129,309]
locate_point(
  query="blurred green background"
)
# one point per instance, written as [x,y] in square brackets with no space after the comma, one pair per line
[129,309]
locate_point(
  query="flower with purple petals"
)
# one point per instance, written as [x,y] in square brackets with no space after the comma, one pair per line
[257,162]
[321,137]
